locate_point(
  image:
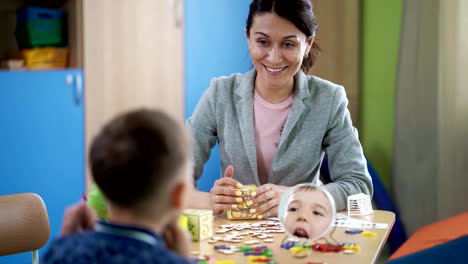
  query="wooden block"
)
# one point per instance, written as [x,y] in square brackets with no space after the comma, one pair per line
[200,223]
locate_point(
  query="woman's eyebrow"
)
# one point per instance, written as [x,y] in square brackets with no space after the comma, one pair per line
[266,35]
[261,33]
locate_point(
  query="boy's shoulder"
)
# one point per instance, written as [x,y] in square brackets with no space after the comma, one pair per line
[97,247]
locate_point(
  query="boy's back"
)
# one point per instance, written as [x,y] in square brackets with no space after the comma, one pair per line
[112,243]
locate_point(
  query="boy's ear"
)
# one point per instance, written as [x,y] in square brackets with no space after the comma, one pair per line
[178,194]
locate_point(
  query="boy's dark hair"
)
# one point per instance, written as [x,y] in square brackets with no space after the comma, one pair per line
[136,155]
[298,12]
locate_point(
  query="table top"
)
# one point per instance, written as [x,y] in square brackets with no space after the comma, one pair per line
[370,247]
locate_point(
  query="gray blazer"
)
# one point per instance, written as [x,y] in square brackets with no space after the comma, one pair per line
[318,122]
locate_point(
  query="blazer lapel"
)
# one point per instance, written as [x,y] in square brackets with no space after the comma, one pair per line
[244,108]
[297,107]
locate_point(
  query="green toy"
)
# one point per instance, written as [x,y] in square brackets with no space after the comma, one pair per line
[97,202]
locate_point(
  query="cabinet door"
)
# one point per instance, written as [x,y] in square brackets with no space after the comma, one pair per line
[132,58]
[42,133]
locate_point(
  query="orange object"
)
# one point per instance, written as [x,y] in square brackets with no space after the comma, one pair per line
[434,234]
[45,58]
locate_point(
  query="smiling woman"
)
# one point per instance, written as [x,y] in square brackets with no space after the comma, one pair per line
[277,49]
[279,46]
[274,124]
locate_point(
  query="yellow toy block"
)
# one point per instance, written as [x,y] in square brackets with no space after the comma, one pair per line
[200,223]
[352,247]
[183,222]
[369,234]
[227,261]
[258,259]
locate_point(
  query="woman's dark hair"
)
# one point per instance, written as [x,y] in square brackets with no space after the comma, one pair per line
[298,12]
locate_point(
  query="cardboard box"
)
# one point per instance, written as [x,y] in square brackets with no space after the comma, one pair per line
[243,211]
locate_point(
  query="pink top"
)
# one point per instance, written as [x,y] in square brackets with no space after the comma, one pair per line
[269,120]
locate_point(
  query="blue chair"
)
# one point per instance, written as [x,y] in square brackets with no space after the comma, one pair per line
[382,200]
[450,252]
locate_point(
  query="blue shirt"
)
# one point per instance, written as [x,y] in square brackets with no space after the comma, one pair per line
[112,243]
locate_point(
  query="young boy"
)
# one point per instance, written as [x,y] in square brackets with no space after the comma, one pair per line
[141,163]
[309,212]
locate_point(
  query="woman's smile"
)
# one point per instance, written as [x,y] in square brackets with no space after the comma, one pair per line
[275,70]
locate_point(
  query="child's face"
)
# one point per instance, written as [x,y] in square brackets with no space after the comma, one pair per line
[308,213]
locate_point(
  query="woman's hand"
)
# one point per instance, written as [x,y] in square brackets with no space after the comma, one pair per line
[268,198]
[223,194]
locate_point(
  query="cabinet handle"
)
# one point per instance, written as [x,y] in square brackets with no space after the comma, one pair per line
[78,89]
[178,13]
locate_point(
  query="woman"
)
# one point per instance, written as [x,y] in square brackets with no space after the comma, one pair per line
[274,124]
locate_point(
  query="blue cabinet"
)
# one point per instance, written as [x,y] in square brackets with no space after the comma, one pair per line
[42,135]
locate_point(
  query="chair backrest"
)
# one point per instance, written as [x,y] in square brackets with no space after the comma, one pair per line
[24,223]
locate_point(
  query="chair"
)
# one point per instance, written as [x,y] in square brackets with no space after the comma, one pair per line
[435,242]
[24,224]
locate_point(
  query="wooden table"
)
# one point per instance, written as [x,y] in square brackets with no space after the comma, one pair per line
[370,247]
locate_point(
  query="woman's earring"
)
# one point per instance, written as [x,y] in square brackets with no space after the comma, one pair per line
[306,56]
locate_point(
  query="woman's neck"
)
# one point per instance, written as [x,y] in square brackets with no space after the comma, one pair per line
[274,93]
